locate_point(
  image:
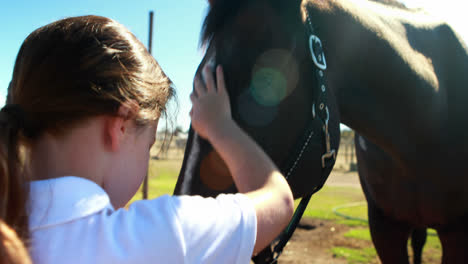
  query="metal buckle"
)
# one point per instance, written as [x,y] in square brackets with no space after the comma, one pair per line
[330,153]
[276,256]
[320,65]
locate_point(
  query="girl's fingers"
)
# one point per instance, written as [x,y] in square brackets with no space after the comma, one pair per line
[199,85]
[220,79]
[208,77]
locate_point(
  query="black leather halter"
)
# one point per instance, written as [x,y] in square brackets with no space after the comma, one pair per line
[319,121]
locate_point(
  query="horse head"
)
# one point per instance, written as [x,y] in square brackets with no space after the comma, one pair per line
[263,47]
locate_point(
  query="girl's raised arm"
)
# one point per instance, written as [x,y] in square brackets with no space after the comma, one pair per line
[253,171]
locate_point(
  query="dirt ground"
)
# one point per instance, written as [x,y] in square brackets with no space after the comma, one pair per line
[313,239]
[343,178]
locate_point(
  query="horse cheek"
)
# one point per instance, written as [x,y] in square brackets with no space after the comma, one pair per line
[214,173]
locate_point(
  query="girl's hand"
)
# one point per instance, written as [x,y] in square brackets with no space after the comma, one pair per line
[211,109]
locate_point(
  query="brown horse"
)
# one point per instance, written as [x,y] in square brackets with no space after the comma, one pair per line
[398,77]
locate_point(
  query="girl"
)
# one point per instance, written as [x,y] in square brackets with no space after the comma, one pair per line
[80,119]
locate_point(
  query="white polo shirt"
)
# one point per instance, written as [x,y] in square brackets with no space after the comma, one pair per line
[72,221]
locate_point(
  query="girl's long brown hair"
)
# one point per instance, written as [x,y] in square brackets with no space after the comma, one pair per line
[12,250]
[66,72]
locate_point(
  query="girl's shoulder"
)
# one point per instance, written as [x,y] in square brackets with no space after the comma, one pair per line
[171,229]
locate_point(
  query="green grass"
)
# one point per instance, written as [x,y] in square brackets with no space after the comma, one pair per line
[433,240]
[322,203]
[357,210]
[355,256]
[359,233]
[432,249]
[162,175]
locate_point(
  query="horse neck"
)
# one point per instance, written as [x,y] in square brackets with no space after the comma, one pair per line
[381,82]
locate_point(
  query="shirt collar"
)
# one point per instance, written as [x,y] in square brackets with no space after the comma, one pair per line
[59,200]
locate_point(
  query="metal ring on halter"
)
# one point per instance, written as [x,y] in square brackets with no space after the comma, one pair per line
[313,111]
[330,153]
[328,115]
[276,257]
[321,106]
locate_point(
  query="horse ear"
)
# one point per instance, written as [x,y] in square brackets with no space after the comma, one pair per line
[211,2]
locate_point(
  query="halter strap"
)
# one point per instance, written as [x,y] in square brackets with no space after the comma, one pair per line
[320,118]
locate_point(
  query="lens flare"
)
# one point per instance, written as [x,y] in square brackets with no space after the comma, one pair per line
[254,114]
[268,86]
[274,77]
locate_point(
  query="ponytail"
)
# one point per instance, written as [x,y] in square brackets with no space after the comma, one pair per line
[12,250]
[14,184]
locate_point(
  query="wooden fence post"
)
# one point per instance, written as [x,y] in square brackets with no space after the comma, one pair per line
[150,44]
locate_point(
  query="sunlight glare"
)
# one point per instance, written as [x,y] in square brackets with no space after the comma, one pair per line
[452,11]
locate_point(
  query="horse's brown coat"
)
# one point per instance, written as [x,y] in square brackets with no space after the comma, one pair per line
[398,77]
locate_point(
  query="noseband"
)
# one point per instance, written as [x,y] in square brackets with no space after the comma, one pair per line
[318,126]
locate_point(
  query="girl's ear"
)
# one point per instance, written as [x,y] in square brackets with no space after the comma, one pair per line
[114,131]
[116,127]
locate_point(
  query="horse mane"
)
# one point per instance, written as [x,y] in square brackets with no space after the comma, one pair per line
[220,12]
[224,10]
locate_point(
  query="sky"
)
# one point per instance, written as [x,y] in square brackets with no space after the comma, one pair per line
[177,25]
